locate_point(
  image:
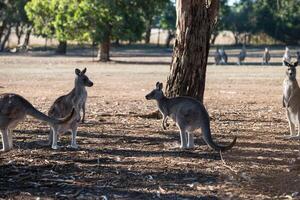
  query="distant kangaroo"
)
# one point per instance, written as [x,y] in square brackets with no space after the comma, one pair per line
[189,115]
[291,99]
[286,56]
[266,56]
[13,109]
[62,106]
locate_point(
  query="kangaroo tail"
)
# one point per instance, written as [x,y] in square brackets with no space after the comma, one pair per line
[32,111]
[209,141]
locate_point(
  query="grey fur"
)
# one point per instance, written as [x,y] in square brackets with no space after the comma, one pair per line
[189,115]
[13,109]
[266,57]
[75,99]
[291,97]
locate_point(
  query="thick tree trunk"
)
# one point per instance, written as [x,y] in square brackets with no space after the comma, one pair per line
[195,21]
[148,31]
[62,47]
[5,38]
[104,49]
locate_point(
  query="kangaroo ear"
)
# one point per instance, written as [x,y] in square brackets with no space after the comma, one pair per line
[160,86]
[295,64]
[157,85]
[77,72]
[83,71]
[287,64]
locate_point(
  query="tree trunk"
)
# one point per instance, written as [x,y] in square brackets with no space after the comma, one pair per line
[62,47]
[195,21]
[148,31]
[2,28]
[19,33]
[5,39]
[27,37]
[104,49]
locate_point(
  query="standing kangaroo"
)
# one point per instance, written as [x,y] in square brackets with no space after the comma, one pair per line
[13,109]
[189,115]
[75,99]
[291,99]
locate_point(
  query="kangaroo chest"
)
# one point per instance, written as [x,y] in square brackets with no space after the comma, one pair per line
[287,90]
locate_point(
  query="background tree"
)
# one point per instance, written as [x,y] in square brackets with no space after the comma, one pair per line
[152,9]
[102,21]
[13,16]
[241,20]
[280,19]
[222,23]
[53,19]
[195,22]
[167,21]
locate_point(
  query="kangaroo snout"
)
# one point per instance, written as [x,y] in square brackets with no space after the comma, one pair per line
[147,97]
[90,84]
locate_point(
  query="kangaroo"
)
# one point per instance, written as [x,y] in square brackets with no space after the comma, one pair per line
[13,109]
[242,55]
[189,115]
[75,99]
[266,57]
[217,57]
[291,97]
[224,56]
[286,56]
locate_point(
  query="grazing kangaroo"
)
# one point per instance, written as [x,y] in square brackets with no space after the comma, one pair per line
[291,99]
[13,109]
[266,57]
[189,115]
[75,99]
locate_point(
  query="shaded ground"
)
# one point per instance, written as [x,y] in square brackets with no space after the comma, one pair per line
[125,156]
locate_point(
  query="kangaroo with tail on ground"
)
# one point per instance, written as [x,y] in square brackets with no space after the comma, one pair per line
[189,115]
[291,99]
[75,99]
[13,109]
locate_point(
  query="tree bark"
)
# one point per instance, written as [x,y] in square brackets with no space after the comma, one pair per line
[19,32]
[195,21]
[27,37]
[62,47]
[5,38]
[148,31]
[2,28]
[104,49]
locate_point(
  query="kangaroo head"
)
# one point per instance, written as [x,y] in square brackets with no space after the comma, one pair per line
[82,79]
[157,93]
[291,70]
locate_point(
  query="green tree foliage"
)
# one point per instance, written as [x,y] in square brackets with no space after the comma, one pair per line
[152,9]
[53,19]
[167,21]
[279,19]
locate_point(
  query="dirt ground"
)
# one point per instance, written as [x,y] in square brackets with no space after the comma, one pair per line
[124,155]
